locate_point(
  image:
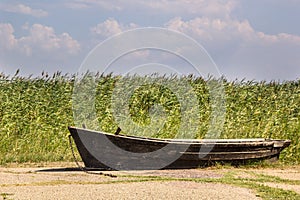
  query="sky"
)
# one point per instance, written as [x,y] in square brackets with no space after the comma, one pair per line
[252,40]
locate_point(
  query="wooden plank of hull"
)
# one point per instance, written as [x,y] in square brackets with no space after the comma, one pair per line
[227,156]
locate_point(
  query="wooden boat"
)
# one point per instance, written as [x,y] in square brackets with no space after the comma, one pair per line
[120,152]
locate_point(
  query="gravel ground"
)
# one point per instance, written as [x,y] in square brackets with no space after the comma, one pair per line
[54,182]
[141,190]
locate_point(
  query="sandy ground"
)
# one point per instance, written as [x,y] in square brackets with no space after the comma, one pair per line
[64,181]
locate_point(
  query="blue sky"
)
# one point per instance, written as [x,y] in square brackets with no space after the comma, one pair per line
[257,39]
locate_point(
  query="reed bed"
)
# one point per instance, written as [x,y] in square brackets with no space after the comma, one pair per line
[36,111]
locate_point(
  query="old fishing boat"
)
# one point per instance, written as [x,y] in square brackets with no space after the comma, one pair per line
[114,151]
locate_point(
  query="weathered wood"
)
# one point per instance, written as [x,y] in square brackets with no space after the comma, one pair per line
[122,151]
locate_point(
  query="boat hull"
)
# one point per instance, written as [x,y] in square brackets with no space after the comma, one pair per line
[108,151]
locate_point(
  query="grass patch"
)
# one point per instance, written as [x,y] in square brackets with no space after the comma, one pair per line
[274,179]
[270,193]
[264,192]
[5,196]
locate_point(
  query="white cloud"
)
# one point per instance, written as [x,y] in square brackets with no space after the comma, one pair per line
[7,38]
[215,34]
[44,38]
[23,9]
[199,7]
[84,4]
[40,39]
[40,49]
[111,27]
[227,30]
[76,5]
[241,51]
[187,7]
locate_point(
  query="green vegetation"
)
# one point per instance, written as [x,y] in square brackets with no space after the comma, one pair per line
[35,113]
[5,196]
[257,184]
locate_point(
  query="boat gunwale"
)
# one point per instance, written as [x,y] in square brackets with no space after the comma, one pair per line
[258,141]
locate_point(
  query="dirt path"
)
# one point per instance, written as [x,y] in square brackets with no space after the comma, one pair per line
[63,181]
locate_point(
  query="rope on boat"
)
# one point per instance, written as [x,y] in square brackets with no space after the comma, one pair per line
[83,168]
